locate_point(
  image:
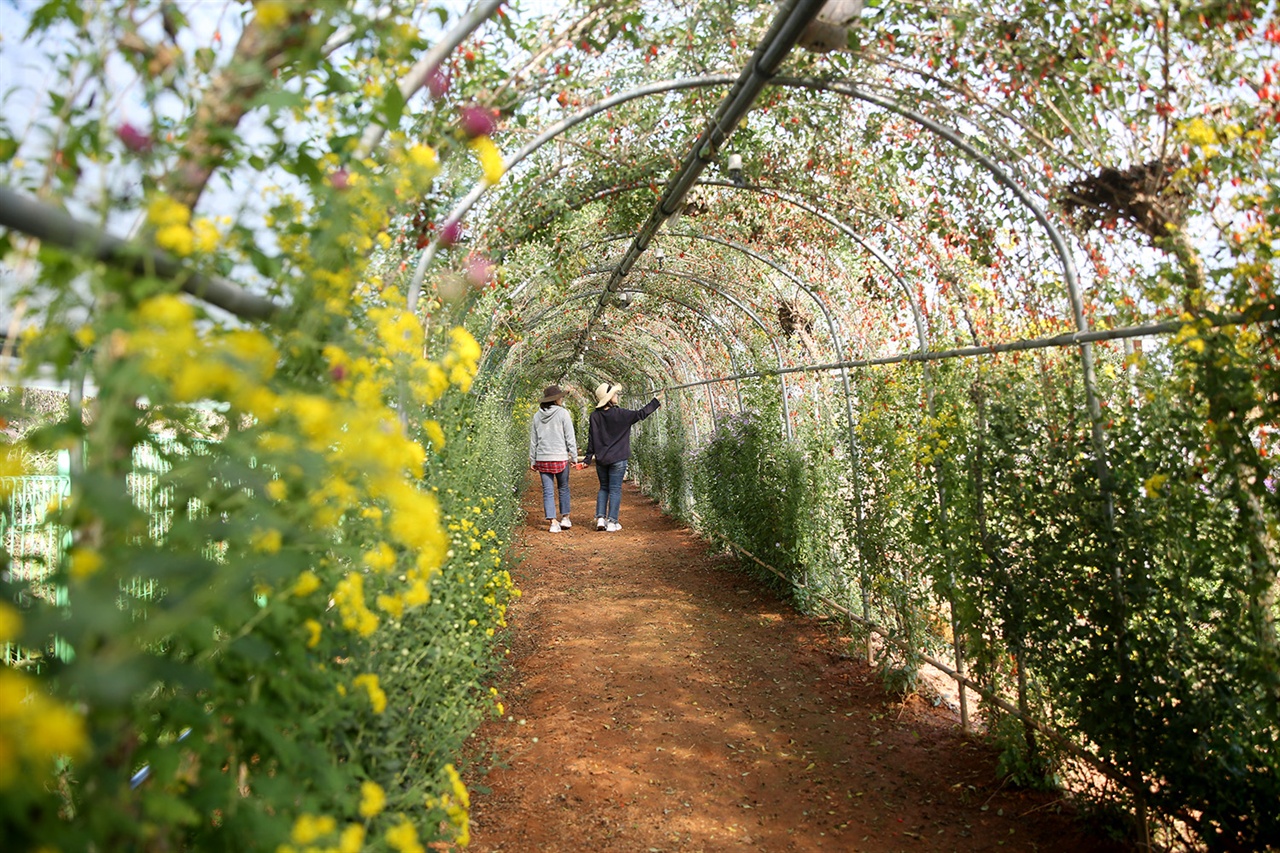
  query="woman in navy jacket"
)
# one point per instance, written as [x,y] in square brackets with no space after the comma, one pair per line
[609,443]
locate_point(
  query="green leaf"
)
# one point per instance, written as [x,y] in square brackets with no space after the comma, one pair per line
[393,106]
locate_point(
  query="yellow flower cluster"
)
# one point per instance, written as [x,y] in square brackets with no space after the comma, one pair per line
[1190,334]
[360,439]
[12,464]
[314,632]
[463,358]
[372,799]
[271,13]
[83,562]
[404,838]
[310,830]
[414,168]
[231,366]
[456,804]
[306,584]
[490,159]
[434,433]
[35,729]
[348,597]
[175,232]
[377,696]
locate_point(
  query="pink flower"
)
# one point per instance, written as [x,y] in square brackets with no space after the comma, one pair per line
[479,268]
[437,82]
[134,139]
[477,121]
[450,233]
[338,372]
[340,179]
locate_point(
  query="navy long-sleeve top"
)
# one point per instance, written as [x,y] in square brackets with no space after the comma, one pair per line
[609,432]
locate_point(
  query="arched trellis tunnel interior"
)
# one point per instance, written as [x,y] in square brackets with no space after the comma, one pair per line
[962,317]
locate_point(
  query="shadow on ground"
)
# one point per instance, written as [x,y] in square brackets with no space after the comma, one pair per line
[659,700]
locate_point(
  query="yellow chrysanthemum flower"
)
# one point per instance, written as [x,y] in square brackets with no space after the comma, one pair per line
[277,490]
[434,433]
[352,839]
[163,210]
[306,584]
[404,838]
[372,799]
[377,697]
[490,158]
[266,541]
[10,623]
[84,562]
[205,235]
[272,13]
[308,829]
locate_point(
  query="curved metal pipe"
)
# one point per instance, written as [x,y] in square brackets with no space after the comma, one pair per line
[468,201]
[726,335]
[1074,296]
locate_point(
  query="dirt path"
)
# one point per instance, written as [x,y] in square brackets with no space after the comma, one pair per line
[660,701]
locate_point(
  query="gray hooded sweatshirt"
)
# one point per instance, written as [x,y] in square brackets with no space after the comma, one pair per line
[551,437]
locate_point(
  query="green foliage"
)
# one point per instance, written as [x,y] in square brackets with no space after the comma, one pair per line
[663,462]
[749,482]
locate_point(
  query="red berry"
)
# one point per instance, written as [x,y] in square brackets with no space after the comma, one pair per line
[437,82]
[134,139]
[450,233]
[477,121]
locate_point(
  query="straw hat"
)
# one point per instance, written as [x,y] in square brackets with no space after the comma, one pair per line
[551,394]
[605,392]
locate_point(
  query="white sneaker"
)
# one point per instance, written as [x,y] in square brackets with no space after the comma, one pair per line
[555,526]
[613,527]
[600,525]
[565,523]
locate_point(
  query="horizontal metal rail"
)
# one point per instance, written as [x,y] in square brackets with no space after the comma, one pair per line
[1259,314]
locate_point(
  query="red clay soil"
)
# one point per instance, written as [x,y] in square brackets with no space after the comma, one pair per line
[658,699]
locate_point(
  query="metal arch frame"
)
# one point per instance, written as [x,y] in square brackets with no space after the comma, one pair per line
[523,356]
[843,227]
[955,138]
[836,341]
[726,335]
[732,109]
[846,89]
[653,387]
[793,17]
[463,206]
[746,309]
[716,323]
[669,365]
[538,318]
[672,368]
[854,448]
[553,339]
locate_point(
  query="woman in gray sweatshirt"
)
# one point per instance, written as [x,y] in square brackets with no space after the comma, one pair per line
[553,447]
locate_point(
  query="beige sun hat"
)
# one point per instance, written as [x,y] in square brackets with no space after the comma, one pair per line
[605,392]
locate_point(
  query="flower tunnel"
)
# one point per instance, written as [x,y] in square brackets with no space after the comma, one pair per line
[962,316]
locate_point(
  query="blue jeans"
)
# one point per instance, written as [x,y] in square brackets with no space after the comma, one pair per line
[609,500]
[549,483]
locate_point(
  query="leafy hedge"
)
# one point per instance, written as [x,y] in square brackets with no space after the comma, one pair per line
[1131,618]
